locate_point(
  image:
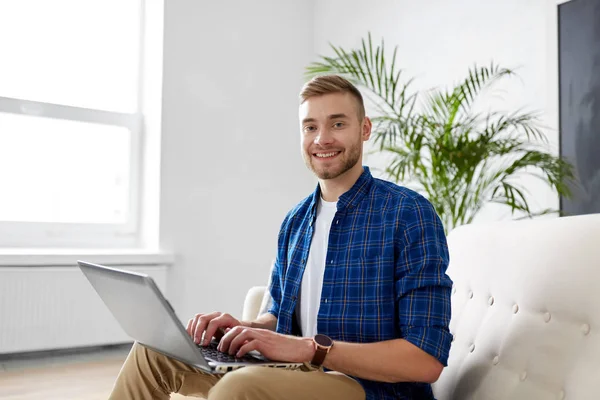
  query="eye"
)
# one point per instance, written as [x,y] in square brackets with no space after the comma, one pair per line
[309,128]
[338,125]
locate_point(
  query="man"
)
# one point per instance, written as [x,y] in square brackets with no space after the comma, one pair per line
[361,262]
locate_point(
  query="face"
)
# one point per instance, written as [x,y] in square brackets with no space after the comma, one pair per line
[332,134]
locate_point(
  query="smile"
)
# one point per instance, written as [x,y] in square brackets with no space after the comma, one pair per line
[327,155]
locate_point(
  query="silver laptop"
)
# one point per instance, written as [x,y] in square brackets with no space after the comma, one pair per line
[148,318]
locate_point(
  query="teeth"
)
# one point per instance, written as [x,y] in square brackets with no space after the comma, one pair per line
[326,155]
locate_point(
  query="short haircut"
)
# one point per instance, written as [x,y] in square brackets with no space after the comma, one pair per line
[326,84]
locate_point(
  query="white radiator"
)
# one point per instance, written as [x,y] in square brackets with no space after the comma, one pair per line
[45,308]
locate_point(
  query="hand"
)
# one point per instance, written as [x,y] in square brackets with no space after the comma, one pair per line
[209,325]
[275,346]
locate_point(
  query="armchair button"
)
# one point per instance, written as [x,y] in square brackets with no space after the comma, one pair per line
[547,317]
[471,348]
[496,360]
[491,300]
[471,294]
[585,329]
[523,375]
[515,308]
[561,395]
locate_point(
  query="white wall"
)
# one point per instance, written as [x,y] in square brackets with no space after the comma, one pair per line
[439,40]
[231,163]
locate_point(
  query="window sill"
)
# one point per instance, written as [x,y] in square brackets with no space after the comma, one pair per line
[68,257]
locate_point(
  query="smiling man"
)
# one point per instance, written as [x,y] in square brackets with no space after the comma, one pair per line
[359,288]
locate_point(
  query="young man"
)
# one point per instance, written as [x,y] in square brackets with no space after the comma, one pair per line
[359,287]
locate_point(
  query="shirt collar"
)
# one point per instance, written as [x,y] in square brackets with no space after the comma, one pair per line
[352,197]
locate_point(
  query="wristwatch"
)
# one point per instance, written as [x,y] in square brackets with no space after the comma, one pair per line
[323,345]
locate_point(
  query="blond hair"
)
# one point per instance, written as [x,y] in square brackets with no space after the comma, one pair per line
[326,84]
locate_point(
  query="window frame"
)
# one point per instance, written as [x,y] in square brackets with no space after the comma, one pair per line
[25,234]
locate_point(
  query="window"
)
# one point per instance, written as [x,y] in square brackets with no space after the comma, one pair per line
[70,123]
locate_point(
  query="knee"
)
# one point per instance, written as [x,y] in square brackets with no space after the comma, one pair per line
[244,384]
[141,352]
[137,348]
[147,361]
[155,368]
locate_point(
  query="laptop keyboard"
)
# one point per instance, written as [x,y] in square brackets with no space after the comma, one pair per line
[211,352]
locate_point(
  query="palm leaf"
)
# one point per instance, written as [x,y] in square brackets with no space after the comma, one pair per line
[366,67]
[459,159]
[478,79]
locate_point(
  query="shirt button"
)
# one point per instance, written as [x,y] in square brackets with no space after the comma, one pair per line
[330,261]
[337,221]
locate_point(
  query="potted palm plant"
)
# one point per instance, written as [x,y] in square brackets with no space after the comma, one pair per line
[438,144]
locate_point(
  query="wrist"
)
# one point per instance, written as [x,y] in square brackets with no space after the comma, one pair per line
[247,324]
[310,350]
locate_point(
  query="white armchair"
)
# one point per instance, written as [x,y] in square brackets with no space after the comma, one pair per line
[525,311]
[253,304]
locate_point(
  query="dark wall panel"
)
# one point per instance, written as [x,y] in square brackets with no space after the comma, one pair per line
[579,68]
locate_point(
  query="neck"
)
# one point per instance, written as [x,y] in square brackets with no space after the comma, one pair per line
[332,189]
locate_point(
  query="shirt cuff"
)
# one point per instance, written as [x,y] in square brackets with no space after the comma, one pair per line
[274,310]
[435,341]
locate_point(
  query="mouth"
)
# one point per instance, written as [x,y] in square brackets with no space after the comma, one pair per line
[326,156]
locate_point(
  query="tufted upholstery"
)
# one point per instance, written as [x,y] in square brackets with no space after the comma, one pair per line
[525,311]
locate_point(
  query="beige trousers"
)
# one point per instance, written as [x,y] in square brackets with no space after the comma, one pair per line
[147,374]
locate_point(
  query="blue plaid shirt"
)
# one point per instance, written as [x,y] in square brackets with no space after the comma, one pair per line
[385,276]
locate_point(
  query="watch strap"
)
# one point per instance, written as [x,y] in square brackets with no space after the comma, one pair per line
[319,356]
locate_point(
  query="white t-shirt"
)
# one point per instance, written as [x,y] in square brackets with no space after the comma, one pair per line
[312,280]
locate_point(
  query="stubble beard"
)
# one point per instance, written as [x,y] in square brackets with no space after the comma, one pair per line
[349,159]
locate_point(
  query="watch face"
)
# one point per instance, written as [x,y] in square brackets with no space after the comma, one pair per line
[323,340]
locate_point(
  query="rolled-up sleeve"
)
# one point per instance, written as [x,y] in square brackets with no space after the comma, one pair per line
[423,289]
[277,273]
[275,289]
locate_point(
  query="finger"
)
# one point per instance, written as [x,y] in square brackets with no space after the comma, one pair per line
[229,336]
[246,335]
[219,333]
[214,325]
[248,347]
[201,325]
[194,324]
[189,326]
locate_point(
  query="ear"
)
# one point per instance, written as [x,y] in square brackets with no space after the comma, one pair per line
[367,125]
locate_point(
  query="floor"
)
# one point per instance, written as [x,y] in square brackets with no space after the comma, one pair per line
[73,375]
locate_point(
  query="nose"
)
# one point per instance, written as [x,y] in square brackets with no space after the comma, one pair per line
[324,137]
